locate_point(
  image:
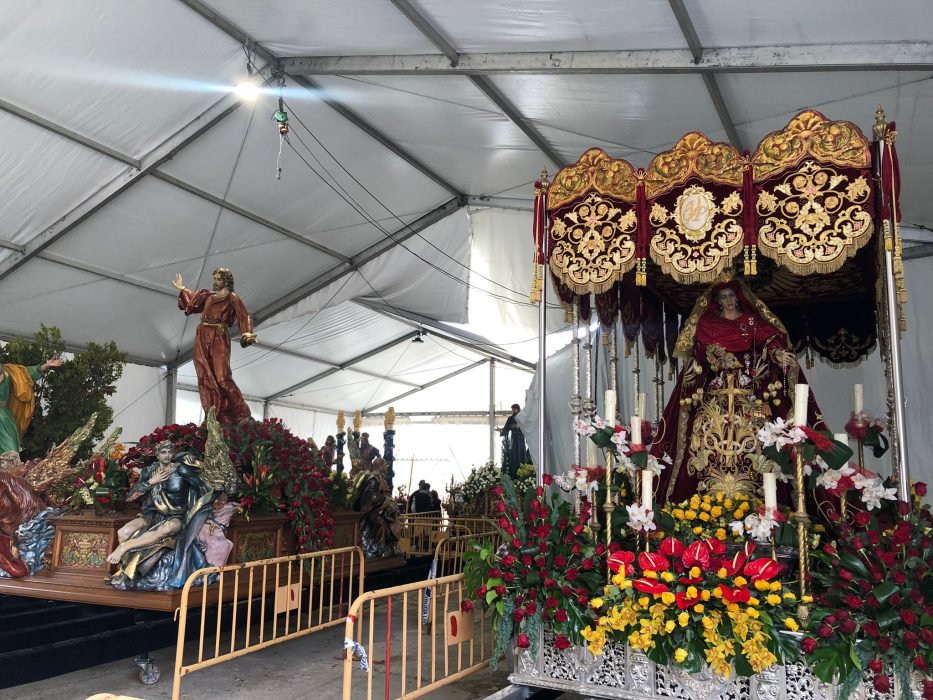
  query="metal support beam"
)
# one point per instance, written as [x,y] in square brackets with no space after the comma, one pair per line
[914,252]
[709,80]
[514,203]
[107,274]
[886,56]
[171,395]
[246,214]
[369,254]
[433,382]
[472,342]
[167,150]
[75,348]
[56,128]
[342,366]
[492,410]
[329,363]
[486,86]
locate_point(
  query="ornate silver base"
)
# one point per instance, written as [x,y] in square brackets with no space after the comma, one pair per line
[621,672]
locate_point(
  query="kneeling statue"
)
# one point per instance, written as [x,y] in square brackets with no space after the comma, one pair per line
[160,549]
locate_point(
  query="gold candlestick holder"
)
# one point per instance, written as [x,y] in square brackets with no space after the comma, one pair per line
[803,520]
[609,506]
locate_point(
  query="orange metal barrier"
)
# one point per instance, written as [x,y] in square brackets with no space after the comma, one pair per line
[295,596]
[453,645]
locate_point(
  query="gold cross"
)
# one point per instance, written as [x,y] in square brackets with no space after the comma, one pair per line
[732,391]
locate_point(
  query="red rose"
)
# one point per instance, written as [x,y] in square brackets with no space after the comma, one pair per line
[853,601]
[522,641]
[571,574]
[919,663]
[903,507]
[909,617]
[871,628]
[808,645]
[531,608]
[920,489]
[875,665]
[500,506]
[562,642]
[588,564]
[466,605]
[547,479]
[884,643]
[862,518]
[882,684]
[845,574]
[847,627]
[518,615]
[560,615]
[825,631]
[559,561]
[926,634]
[550,602]
[910,640]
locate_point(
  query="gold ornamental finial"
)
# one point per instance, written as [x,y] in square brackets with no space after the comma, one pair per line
[544,176]
[357,421]
[341,421]
[389,421]
[880,124]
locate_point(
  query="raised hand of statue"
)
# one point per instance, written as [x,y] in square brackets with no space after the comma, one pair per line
[49,364]
[178,283]
[785,357]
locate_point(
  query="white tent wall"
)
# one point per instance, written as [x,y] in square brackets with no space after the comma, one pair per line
[139,401]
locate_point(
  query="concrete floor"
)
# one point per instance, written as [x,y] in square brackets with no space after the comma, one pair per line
[301,668]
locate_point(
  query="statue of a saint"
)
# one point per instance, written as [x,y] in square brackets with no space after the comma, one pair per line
[368,453]
[160,549]
[219,309]
[379,513]
[18,400]
[739,371]
[517,453]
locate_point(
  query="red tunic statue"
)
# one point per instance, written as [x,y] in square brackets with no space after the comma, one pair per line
[219,310]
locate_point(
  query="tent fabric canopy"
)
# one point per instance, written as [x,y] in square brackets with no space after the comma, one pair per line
[417,128]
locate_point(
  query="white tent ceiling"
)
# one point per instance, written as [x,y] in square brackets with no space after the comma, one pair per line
[416,128]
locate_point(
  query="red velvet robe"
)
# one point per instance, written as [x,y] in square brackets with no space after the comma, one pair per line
[212,350]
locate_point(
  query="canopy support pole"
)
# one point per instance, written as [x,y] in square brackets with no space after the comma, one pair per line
[492,410]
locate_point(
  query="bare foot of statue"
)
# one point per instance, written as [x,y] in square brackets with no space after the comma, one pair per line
[117,554]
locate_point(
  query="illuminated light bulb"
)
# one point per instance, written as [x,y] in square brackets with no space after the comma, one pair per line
[247,91]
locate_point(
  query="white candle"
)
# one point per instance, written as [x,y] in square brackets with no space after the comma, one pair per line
[647,488]
[841,437]
[592,454]
[642,403]
[859,398]
[801,395]
[770,487]
[610,406]
[636,430]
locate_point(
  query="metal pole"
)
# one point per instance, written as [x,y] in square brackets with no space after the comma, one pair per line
[541,464]
[266,410]
[171,394]
[576,401]
[492,410]
[899,432]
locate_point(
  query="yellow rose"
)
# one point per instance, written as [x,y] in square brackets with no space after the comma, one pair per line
[740,581]
[791,624]
[716,511]
[704,595]
[669,626]
[683,619]
[752,612]
[680,655]
[692,592]
[789,595]
[719,496]
[775,586]
[706,507]
[619,578]
[667,576]
[699,607]
[695,572]
[704,516]
[667,597]
[722,573]
[773,599]
[721,534]
[806,599]
[727,503]
[678,513]
[753,601]
[650,574]
[761,585]
[697,530]
[717,592]
[690,515]
[596,603]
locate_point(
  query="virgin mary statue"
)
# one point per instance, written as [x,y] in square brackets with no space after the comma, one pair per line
[739,371]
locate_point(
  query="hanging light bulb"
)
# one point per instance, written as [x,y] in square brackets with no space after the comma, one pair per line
[247,91]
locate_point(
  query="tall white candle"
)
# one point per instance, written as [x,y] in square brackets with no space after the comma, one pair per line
[841,437]
[770,487]
[636,430]
[859,398]
[647,488]
[610,406]
[642,404]
[592,453]
[801,395]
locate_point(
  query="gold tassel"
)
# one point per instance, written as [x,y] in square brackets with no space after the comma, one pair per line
[747,269]
[568,315]
[537,283]
[754,260]
[888,241]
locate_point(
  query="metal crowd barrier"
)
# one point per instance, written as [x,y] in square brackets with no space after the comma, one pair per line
[271,601]
[434,644]
[448,555]
[420,532]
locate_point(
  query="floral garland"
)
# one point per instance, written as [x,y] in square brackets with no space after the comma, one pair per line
[301,481]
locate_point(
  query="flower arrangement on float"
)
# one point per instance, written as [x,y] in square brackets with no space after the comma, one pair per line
[692,606]
[103,482]
[544,571]
[876,611]
[283,473]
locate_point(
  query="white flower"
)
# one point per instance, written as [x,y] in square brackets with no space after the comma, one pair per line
[640,518]
[829,479]
[583,427]
[874,491]
[760,526]
[625,463]
[656,466]
[619,438]
[737,527]
[599,423]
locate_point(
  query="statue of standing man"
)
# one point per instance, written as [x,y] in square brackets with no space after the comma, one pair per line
[18,401]
[219,310]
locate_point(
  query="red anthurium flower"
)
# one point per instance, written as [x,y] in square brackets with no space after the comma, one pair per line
[763,569]
[683,601]
[620,559]
[716,546]
[672,547]
[646,585]
[697,554]
[735,595]
[653,561]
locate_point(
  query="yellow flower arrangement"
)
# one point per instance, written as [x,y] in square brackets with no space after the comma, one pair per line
[707,516]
